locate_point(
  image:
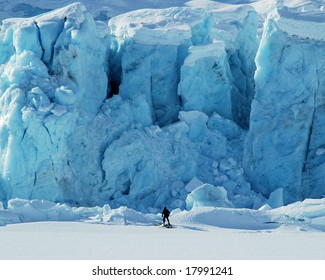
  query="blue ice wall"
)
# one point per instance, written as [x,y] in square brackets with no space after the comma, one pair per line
[285,139]
[185,59]
[46,94]
[181,75]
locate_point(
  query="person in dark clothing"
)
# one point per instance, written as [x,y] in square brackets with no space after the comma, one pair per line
[165,214]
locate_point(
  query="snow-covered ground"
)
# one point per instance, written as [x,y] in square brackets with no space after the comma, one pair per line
[82,241]
[58,232]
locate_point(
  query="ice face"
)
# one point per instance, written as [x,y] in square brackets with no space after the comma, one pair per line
[285,130]
[206,81]
[151,45]
[63,141]
[45,95]
[147,110]
[165,59]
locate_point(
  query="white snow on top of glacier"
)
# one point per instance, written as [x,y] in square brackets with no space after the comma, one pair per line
[204,51]
[296,17]
[74,11]
[305,19]
[172,26]
[104,9]
[175,25]
[154,26]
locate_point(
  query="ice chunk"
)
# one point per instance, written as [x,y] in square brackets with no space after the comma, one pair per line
[40,210]
[265,207]
[228,128]
[40,100]
[64,96]
[8,218]
[208,195]
[308,209]
[214,145]
[59,110]
[175,211]
[276,198]
[124,215]
[197,124]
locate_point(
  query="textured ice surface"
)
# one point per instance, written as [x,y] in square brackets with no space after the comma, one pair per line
[46,95]
[276,198]
[65,142]
[302,18]
[206,80]
[145,110]
[164,59]
[286,125]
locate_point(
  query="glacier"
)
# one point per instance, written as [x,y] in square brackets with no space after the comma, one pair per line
[163,106]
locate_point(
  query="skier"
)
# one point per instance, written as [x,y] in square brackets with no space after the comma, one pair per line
[165,214]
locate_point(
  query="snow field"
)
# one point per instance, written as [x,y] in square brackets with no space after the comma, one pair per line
[84,241]
[45,230]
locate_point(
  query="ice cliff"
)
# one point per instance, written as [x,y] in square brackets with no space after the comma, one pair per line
[47,95]
[179,106]
[185,59]
[285,143]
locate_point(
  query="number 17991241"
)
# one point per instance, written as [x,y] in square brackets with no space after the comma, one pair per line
[209,270]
